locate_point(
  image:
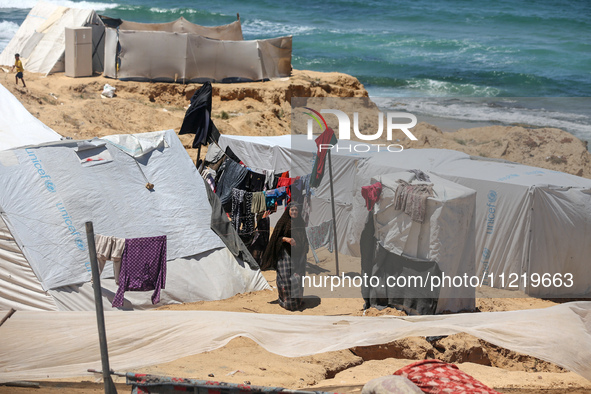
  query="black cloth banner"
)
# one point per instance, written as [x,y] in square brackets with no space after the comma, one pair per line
[198,118]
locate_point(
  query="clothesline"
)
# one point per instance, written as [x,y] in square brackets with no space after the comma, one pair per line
[246,194]
[408,197]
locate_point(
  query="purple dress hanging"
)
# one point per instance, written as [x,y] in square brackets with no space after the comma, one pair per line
[143,267]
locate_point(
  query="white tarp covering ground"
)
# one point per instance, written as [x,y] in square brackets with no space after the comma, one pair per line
[50,191]
[41,345]
[41,40]
[529,221]
[18,127]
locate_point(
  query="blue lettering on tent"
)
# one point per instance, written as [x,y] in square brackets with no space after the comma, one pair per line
[49,185]
[78,240]
[506,178]
[491,211]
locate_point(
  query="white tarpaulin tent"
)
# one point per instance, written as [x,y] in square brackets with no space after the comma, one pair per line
[49,191]
[41,40]
[18,127]
[41,345]
[529,221]
[446,235]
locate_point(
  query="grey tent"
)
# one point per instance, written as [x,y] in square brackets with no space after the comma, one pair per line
[50,190]
[530,222]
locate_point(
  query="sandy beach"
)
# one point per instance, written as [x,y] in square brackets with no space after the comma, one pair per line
[74,108]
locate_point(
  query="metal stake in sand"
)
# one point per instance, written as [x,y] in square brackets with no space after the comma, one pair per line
[100,316]
[334,216]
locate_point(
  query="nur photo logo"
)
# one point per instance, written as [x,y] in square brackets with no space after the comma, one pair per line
[392,120]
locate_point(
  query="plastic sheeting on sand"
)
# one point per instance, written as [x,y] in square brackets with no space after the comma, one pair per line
[41,345]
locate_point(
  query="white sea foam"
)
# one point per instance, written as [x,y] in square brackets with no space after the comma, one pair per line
[505,111]
[157,10]
[7,31]
[430,87]
[28,4]
[257,27]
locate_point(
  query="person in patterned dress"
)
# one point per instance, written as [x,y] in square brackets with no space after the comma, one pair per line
[286,253]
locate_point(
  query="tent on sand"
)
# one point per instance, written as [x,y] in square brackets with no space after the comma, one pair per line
[41,38]
[50,190]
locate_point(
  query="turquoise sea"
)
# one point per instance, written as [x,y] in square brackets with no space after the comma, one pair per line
[462,59]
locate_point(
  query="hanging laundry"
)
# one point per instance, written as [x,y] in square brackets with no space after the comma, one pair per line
[221,225]
[109,248]
[214,154]
[306,209]
[209,179]
[230,153]
[270,179]
[283,181]
[255,182]
[261,238]
[208,171]
[327,137]
[275,197]
[412,199]
[307,179]
[216,166]
[286,182]
[297,191]
[300,194]
[233,176]
[143,267]
[321,235]
[242,216]
[371,194]
[259,203]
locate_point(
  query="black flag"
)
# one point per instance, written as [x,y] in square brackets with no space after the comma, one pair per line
[198,118]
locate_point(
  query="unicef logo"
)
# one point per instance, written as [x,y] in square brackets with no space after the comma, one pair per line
[492,196]
[79,243]
[486,254]
[50,186]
